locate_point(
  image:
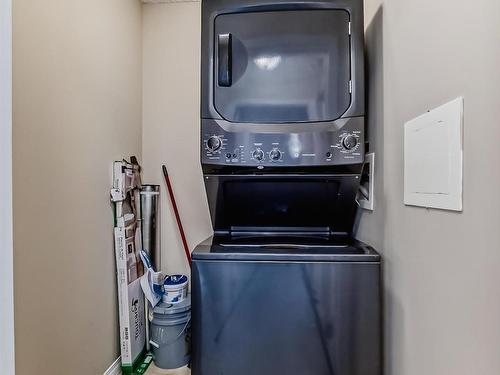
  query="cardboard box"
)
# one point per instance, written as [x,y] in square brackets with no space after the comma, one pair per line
[127,233]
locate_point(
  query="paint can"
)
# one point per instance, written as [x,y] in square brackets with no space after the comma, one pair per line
[176,288]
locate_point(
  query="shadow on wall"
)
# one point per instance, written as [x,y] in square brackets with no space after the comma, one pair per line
[370,226]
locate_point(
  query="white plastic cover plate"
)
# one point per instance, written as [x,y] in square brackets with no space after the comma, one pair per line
[433,158]
[369,203]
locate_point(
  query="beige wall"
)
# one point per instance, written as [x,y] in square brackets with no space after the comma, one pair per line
[77,107]
[77,82]
[171,122]
[441,268]
[441,277]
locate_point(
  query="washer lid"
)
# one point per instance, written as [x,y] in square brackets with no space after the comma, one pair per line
[291,248]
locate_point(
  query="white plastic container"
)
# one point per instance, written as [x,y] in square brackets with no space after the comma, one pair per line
[176,288]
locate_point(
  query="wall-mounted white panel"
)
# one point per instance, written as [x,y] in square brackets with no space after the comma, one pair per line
[433,158]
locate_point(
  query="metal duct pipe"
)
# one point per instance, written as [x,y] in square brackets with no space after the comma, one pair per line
[150,215]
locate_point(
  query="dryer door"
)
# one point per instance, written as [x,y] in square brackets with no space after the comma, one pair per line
[282,66]
[320,204]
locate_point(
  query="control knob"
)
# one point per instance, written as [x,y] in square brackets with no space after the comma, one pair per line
[258,154]
[275,154]
[349,142]
[214,143]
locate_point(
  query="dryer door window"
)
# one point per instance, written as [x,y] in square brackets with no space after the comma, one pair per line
[282,66]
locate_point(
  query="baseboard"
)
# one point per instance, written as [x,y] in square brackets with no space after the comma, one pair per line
[115,368]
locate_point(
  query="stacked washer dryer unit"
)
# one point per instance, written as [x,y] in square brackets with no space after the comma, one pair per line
[282,287]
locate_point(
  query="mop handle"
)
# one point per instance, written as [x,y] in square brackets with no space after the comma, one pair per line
[176,212]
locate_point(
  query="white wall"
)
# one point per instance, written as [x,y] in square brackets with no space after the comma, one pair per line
[6,250]
[171,122]
[77,107]
[440,268]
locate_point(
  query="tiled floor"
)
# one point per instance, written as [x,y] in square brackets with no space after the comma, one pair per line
[153,370]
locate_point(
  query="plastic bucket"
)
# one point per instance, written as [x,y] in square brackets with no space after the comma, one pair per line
[176,288]
[170,334]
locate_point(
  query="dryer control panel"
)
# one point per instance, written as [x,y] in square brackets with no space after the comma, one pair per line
[337,143]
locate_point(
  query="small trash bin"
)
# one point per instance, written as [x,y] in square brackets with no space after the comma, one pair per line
[170,334]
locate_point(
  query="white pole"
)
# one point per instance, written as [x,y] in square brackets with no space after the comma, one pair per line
[7,358]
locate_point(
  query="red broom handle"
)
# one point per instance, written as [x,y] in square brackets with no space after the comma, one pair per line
[177,217]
